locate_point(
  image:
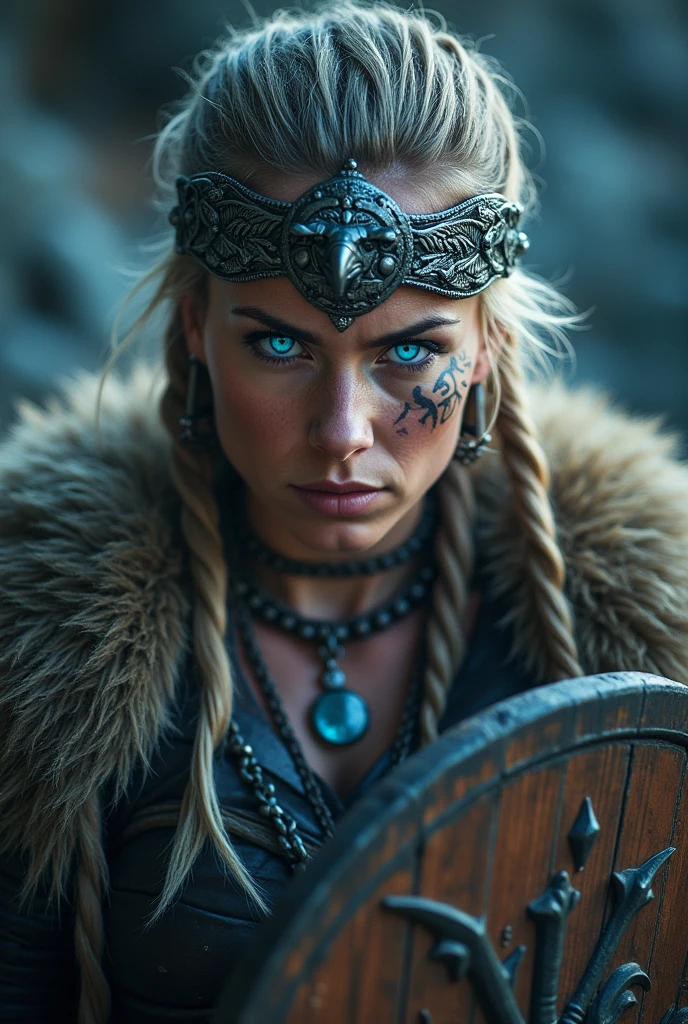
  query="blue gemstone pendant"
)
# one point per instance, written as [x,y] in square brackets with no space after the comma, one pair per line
[340,717]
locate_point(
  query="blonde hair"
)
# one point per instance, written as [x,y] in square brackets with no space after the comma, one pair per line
[300,92]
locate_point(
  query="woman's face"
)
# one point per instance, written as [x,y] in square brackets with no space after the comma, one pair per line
[300,406]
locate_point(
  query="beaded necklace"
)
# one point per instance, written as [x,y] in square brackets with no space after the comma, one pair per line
[339,716]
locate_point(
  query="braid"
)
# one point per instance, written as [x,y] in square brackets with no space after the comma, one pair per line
[527,469]
[446,637]
[91,881]
[192,474]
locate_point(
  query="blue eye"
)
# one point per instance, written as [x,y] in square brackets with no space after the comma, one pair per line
[274,348]
[406,353]
[280,345]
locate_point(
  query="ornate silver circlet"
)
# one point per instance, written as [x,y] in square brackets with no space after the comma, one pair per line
[344,243]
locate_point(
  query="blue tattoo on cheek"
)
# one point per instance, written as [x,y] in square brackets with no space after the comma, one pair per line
[449,386]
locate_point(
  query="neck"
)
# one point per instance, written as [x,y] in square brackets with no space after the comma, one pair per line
[333,599]
[338,598]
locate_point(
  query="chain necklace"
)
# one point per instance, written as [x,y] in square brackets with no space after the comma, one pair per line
[256,549]
[339,716]
[252,773]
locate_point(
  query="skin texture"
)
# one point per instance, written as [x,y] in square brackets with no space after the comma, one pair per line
[341,409]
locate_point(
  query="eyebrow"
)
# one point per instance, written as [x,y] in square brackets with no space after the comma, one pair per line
[393,338]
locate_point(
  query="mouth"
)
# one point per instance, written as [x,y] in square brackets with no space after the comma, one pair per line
[343,500]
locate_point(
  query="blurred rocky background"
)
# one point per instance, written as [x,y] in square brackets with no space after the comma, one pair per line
[606,84]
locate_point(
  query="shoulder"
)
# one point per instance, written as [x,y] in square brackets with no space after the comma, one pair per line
[94,602]
[619,493]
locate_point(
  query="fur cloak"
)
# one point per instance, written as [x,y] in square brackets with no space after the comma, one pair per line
[95,593]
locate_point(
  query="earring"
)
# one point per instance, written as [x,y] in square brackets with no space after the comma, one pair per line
[190,436]
[473,439]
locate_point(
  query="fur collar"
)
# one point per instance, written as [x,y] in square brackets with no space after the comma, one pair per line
[95,598]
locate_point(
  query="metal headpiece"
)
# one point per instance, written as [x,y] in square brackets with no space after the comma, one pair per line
[345,244]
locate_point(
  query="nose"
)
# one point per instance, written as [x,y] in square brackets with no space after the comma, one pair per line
[341,425]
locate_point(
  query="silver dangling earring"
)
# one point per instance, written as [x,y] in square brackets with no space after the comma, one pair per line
[205,438]
[473,438]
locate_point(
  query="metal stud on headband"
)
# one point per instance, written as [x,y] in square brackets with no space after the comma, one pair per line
[344,243]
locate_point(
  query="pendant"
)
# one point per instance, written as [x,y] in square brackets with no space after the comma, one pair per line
[340,717]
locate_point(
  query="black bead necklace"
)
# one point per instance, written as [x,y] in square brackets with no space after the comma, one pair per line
[339,716]
[285,826]
[256,549]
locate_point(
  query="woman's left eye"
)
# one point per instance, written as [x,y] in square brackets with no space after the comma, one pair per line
[409,354]
[406,353]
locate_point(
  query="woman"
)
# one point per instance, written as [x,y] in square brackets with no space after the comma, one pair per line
[219,633]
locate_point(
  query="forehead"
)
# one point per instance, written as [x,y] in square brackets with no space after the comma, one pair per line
[278,298]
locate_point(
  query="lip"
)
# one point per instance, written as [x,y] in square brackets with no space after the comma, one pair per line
[339,500]
[333,487]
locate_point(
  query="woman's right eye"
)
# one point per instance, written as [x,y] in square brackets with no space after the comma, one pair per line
[274,348]
[278,345]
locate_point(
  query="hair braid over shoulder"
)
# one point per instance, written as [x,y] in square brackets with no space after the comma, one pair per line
[527,469]
[446,635]
[192,474]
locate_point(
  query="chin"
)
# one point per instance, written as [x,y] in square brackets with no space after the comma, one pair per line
[339,538]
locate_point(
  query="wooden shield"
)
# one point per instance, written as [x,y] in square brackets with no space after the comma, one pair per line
[532,865]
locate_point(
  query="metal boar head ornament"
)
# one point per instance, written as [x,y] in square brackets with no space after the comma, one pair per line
[344,243]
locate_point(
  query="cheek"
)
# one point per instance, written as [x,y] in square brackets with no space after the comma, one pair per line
[255,429]
[422,451]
